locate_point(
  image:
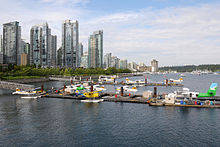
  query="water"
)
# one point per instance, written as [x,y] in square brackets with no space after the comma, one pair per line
[57,122]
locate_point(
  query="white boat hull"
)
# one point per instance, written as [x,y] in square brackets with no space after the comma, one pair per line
[30,97]
[92,101]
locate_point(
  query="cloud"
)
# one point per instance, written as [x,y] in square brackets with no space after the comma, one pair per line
[172,35]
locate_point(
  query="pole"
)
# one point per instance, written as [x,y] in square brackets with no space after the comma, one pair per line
[146,80]
[91,88]
[155,92]
[166,82]
[42,88]
[122,91]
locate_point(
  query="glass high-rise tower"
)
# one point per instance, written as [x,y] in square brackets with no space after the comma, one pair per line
[11,43]
[70,44]
[95,58]
[40,44]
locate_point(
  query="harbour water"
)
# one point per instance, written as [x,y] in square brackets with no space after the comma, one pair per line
[58,122]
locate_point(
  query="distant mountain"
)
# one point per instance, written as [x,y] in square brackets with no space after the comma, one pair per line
[190,68]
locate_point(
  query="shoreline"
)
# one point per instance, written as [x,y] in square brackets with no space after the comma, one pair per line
[27,81]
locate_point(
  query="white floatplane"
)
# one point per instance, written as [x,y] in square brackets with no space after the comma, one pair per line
[127,89]
[130,82]
[31,96]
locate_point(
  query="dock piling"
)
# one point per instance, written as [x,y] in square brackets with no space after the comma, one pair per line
[155,92]
[122,91]
[42,88]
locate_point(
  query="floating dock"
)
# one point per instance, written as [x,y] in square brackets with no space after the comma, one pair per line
[182,105]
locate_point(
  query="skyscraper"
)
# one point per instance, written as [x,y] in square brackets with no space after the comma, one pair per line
[96,50]
[40,45]
[84,60]
[108,60]
[80,54]
[123,64]
[70,44]
[1,44]
[59,57]
[25,51]
[154,65]
[1,50]
[11,43]
[115,62]
[53,50]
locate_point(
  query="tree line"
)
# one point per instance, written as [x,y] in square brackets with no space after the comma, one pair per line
[190,68]
[14,70]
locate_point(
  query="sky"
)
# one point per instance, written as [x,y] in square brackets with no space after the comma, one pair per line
[174,32]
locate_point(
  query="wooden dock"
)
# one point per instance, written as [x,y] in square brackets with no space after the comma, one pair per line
[105,96]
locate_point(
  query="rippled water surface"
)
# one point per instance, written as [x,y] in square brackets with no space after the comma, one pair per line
[57,122]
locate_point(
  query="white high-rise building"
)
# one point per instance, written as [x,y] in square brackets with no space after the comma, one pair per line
[84,60]
[123,64]
[115,62]
[154,65]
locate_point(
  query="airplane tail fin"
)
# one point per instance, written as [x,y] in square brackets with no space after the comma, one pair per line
[211,92]
[213,88]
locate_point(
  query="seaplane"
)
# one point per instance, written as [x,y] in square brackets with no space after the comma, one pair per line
[107,78]
[127,89]
[92,97]
[211,92]
[99,88]
[72,88]
[22,92]
[186,93]
[130,82]
[180,80]
[31,96]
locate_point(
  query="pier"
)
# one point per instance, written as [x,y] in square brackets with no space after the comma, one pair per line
[13,86]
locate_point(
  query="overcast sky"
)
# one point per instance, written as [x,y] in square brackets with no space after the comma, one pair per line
[175,32]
